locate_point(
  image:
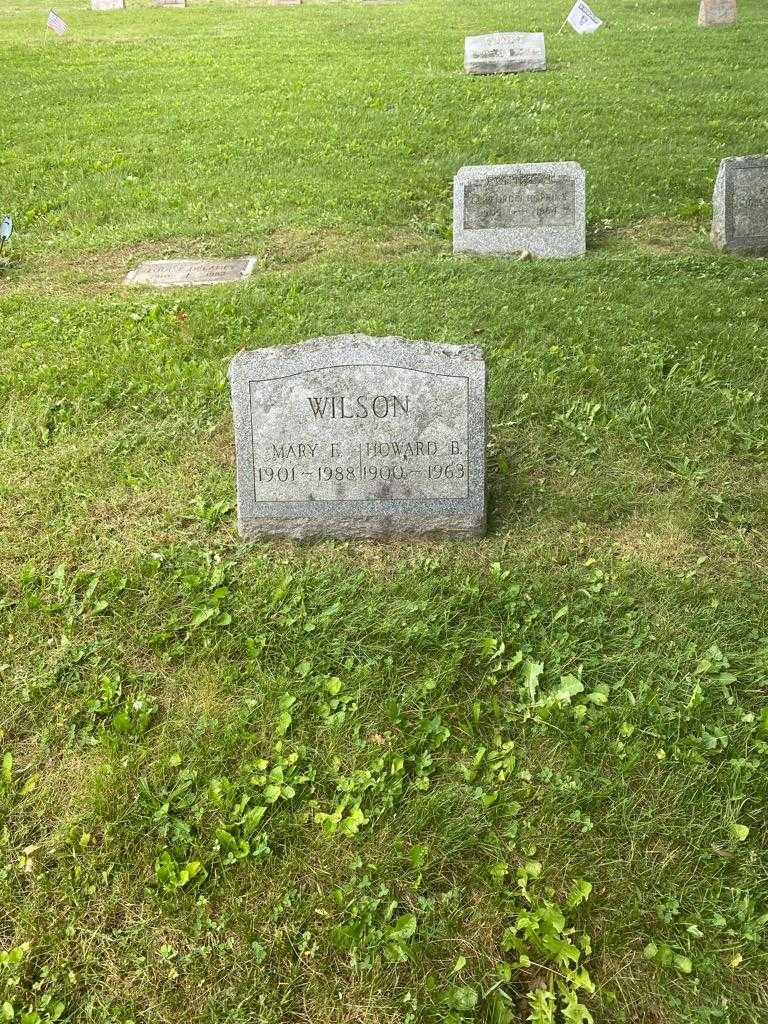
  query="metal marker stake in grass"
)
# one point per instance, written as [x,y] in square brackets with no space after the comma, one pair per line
[6,230]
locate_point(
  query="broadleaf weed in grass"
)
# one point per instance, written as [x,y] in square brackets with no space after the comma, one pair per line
[21,997]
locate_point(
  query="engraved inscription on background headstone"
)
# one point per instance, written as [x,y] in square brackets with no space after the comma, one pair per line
[504,53]
[177,273]
[510,208]
[740,205]
[107,5]
[352,436]
[717,13]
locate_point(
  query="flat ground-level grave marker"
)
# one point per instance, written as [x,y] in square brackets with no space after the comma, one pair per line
[179,273]
[353,436]
[503,53]
[717,13]
[740,205]
[285,3]
[107,5]
[169,3]
[509,208]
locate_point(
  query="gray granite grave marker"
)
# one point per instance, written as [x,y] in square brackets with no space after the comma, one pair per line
[717,13]
[107,5]
[169,3]
[353,436]
[178,273]
[510,208]
[740,205]
[504,53]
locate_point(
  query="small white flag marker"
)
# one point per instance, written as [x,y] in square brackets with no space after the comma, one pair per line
[6,230]
[56,24]
[583,19]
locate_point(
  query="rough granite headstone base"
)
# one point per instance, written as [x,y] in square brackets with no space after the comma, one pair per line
[717,13]
[504,53]
[740,206]
[184,273]
[353,436]
[510,208]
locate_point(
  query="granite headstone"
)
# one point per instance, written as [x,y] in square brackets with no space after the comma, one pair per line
[717,13]
[511,208]
[740,205]
[503,53]
[169,3]
[107,5]
[353,436]
[179,273]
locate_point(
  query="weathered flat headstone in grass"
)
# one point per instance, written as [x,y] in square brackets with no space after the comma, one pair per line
[107,5]
[503,53]
[169,3]
[285,3]
[353,436]
[177,273]
[740,205]
[510,208]
[717,13]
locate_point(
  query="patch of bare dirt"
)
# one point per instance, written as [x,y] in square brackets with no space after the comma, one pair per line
[654,235]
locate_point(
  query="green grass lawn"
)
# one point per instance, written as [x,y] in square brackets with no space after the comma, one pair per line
[380,782]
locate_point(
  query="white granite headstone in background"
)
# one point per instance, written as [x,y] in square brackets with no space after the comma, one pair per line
[107,5]
[177,273]
[718,13]
[511,208]
[740,205]
[503,53]
[353,436]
